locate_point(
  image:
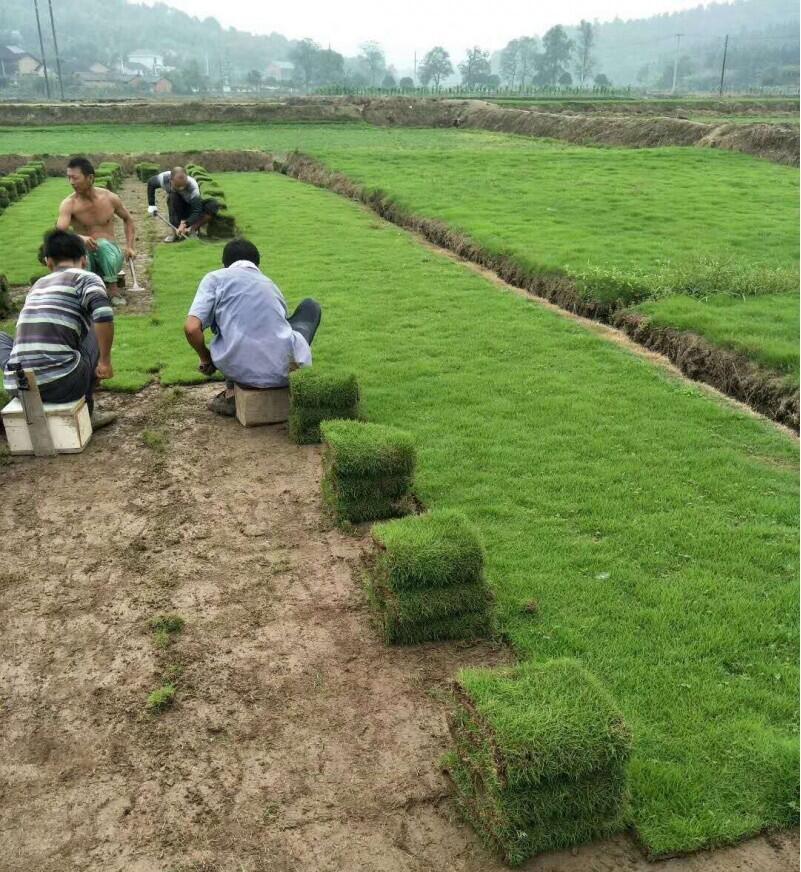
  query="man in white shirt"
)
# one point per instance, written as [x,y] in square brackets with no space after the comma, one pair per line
[255,344]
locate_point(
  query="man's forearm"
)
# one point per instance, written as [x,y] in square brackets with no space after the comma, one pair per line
[152,186]
[196,339]
[104,332]
[130,233]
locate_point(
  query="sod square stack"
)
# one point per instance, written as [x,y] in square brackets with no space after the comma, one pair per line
[108,175]
[426,579]
[369,471]
[146,170]
[540,757]
[316,396]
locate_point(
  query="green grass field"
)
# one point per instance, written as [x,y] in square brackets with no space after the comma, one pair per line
[22,226]
[629,224]
[759,326]
[655,529]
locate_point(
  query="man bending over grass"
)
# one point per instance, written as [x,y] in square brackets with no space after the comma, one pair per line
[188,210]
[255,345]
[64,331]
[91,212]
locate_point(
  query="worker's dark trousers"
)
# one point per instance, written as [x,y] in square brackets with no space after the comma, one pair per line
[180,210]
[178,207]
[79,383]
[304,320]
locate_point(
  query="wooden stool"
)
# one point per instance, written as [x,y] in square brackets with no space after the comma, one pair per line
[256,406]
[67,428]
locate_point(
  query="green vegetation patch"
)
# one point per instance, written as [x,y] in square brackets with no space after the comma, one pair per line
[540,757]
[165,628]
[369,470]
[22,227]
[756,325]
[319,395]
[625,225]
[426,579]
[161,698]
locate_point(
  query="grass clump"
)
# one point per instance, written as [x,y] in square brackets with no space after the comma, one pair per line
[369,470]
[164,628]
[161,698]
[155,440]
[316,396]
[426,580]
[539,758]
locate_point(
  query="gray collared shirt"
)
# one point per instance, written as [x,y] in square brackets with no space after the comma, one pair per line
[254,342]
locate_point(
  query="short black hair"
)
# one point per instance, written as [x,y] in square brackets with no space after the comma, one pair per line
[82,164]
[61,245]
[240,249]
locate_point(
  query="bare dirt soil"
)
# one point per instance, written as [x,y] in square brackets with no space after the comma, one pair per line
[297,741]
[149,231]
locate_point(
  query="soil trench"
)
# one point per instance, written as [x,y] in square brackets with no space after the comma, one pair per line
[149,231]
[297,740]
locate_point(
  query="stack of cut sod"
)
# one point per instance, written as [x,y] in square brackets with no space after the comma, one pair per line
[369,471]
[316,396]
[426,579]
[540,757]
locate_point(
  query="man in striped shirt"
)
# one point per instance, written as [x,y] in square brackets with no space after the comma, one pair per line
[65,329]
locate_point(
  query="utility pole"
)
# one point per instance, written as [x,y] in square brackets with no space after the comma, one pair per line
[415,66]
[676,63]
[41,47]
[55,46]
[723,67]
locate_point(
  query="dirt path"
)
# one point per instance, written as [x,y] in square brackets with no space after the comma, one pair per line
[148,233]
[297,741]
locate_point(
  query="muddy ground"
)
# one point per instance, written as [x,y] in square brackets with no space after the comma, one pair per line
[296,742]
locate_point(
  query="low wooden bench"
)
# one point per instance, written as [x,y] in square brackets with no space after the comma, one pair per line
[45,429]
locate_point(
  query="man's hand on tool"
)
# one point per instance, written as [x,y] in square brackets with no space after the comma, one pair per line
[130,253]
[207,368]
[104,369]
[182,229]
[152,210]
[90,242]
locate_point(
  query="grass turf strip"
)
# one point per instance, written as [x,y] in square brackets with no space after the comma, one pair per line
[22,227]
[655,528]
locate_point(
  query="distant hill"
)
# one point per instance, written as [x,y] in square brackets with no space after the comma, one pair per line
[763,46]
[107,31]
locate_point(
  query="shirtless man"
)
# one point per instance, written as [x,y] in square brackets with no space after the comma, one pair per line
[91,212]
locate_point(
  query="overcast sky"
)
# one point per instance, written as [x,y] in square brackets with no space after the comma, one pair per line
[408,25]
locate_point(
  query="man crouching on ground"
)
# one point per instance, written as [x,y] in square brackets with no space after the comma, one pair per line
[188,209]
[91,212]
[255,345]
[64,331]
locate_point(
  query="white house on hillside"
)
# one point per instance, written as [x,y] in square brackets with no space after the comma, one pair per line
[150,60]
